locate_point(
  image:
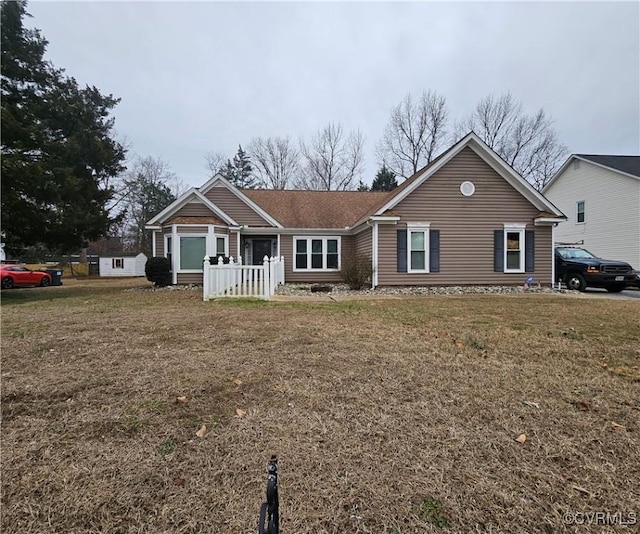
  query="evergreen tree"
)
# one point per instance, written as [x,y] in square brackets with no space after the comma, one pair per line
[240,171]
[145,193]
[58,156]
[385,180]
[362,186]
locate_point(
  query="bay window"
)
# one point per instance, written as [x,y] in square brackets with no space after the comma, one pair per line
[192,251]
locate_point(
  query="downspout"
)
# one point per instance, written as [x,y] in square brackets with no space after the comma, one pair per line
[153,243]
[374,247]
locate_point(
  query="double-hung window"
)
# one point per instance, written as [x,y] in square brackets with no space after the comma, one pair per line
[514,248]
[316,253]
[221,246]
[418,248]
[168,247]
[117,263]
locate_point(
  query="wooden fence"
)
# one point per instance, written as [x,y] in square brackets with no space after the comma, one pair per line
[236,280]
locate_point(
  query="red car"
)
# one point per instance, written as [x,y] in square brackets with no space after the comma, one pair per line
[19,275]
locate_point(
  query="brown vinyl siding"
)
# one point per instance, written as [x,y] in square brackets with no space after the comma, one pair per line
[193,209]
[234,207]
[466,227]
[192,230]
[190,278]
[159,237]
[233,244]
[362,243]
[286,250]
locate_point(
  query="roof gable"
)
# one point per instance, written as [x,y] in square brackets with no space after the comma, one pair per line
[219,181]
[473,142]
[624,165]
[190,195]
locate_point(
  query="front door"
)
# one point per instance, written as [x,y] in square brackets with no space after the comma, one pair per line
[261,248]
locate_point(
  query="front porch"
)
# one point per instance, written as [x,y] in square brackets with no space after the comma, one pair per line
[253,248]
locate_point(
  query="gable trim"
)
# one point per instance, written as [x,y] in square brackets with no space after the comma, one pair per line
[244,198]
[184,199]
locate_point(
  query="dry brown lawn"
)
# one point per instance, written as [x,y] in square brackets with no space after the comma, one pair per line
[388,416]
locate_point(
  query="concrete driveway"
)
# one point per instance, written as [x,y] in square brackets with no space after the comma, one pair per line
[626,294]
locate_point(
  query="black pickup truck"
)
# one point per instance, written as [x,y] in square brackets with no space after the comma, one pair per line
[578,269]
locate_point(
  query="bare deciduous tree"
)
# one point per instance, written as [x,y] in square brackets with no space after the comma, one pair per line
[332,160]
[216,162]
[528,143]
[276,161]
[413,134]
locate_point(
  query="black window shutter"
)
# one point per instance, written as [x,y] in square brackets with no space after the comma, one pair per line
[434,251]
[498,251]
[529,251]
[402,251]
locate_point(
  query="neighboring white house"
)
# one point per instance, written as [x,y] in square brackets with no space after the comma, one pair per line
[123,265]
[600,195]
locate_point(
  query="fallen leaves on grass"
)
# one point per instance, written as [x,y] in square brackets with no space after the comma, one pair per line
[237,382]
[617,426]
[240,412]
[202,432]
[182,400]
[521,438]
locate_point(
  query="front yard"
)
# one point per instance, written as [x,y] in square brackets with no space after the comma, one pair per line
[388,415]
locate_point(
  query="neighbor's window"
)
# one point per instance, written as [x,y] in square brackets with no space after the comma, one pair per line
[317,253]
[192,252]
[117,263]
[580,211]
[514,250]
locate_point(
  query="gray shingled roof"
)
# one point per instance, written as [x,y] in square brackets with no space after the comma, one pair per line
[628,164]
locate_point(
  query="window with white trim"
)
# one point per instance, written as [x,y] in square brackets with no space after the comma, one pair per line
[316,253]
[117,263]
[168,250]
[580,212]
[514,248]
[193,249]
[418,248]
[221,245]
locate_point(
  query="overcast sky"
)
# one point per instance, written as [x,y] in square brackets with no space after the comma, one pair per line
[196,77]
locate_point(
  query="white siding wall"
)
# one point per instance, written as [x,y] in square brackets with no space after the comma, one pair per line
[133,266]
[612,211]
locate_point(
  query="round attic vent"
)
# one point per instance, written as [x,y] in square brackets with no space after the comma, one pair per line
[467,188]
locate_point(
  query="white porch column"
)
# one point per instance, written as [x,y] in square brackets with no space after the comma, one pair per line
[175,253]
[374,259]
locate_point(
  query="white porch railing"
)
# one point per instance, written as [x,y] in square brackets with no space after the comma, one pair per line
[236,280]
